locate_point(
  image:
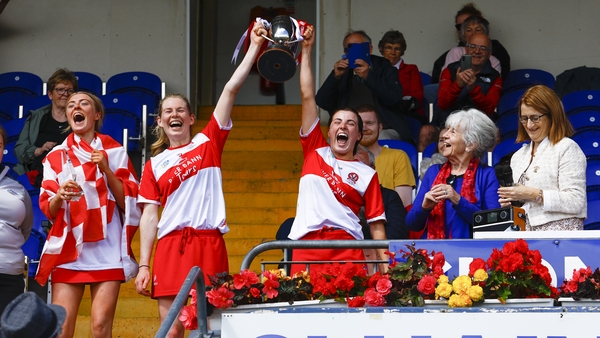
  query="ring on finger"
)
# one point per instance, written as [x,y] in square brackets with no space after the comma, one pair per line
[445,192]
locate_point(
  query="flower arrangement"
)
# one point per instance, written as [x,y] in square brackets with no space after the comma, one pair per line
[515,272]
[413,276]
[342,282]
[583,284]
[464,290]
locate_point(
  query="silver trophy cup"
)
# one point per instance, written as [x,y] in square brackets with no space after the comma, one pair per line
[277,63]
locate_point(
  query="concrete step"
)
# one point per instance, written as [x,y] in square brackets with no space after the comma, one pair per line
[262,160]
[262,185]
[258,113]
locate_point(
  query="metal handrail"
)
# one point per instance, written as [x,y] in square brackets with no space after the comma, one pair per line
[288,244]
[197,275]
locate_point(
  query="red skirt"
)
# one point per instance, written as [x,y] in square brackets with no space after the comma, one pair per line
[326,233]
[179,251]
[60,275]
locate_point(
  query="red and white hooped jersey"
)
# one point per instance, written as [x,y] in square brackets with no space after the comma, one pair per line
[187,182]
[332,190]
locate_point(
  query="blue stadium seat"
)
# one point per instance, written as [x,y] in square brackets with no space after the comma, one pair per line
[425,78]
[589,146]
[20,86]
[35,103]
[507,105]
[592,178]
[9,109]
[13,130]
[123,112]
[89,82]
[592,222]
[408,148]
[508,125]
[430,149]
[504,148]
[33,249]
[520,79]
[581,101]
[415,127]
[147,87]
[585,119]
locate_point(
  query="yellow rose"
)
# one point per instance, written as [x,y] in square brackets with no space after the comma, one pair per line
[459,301]
[461,284]
[475,293]
[443,290]
[442,279]
[480,275]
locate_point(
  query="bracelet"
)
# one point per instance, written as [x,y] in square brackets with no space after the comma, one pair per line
[145,266]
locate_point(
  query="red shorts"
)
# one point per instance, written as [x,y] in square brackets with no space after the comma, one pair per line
[179,251]
[60,275]
[325,254]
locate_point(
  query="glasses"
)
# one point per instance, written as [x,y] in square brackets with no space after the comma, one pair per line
[481,48]
[62,91]
[533,118]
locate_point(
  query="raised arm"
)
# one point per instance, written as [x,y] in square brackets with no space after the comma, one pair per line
[310,112]
[227,98]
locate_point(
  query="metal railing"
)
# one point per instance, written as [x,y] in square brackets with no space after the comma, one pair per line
[196,275]
[289,244]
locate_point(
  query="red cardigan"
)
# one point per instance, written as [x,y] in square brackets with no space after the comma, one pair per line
[410,79]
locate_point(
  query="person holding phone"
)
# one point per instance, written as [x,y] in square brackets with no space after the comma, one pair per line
[478,86]
[373,81]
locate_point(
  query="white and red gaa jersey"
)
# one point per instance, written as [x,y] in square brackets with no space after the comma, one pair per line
[186,181]
[332,191]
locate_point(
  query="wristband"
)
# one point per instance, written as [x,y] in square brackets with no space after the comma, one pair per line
[145,266]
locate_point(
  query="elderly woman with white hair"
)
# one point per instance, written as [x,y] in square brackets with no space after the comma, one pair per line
[450,193]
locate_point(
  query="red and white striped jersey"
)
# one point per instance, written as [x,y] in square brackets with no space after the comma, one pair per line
[187,182]
[332,190]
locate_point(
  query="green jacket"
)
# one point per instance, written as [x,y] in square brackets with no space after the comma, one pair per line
[25,147]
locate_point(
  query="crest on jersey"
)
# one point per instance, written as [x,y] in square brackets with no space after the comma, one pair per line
[353,177]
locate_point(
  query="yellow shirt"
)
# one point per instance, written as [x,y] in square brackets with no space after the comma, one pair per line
[394,169]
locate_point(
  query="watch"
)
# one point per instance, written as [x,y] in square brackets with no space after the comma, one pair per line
[540,197]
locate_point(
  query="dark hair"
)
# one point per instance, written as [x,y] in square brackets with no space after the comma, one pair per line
[62,75]
[360,32]
[545,101]
[392,37]
[468,9]
[359,121]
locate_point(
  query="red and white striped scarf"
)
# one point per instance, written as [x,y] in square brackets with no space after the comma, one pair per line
[86,220]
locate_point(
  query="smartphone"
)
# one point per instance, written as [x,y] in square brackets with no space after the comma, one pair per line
[465,62]
[357,51]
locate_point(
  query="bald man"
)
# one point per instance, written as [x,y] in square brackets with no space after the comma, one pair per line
[478,87]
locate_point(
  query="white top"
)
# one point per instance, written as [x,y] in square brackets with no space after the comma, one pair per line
[187,182]
[332,190]
[16,221]
[560,171]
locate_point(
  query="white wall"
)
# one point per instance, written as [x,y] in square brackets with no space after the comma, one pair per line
[111,36]
[104,37]
[553,35]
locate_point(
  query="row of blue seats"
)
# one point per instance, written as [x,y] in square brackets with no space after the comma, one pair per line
[582,109]
[516,80]
[28,90]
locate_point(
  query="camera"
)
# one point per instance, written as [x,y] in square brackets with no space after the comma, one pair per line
[499,219]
